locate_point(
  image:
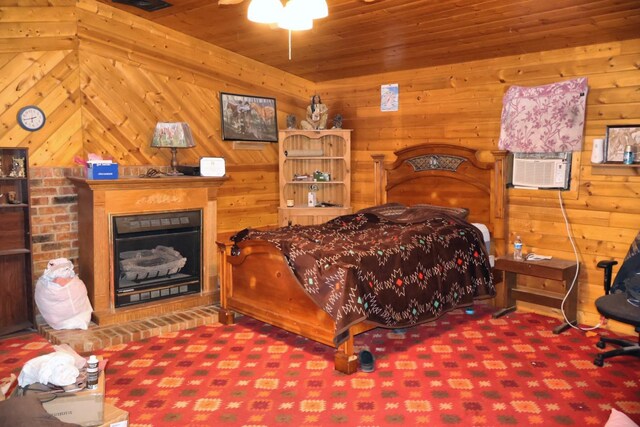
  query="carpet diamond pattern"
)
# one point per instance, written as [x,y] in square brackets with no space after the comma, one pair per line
[462,370]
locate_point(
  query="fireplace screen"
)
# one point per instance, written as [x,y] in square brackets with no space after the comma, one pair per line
[156,256]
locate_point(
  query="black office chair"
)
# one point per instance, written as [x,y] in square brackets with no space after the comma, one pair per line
[616,306]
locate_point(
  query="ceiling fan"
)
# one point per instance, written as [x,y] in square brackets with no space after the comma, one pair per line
[227,2]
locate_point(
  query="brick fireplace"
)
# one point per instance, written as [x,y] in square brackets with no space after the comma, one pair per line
[100,201]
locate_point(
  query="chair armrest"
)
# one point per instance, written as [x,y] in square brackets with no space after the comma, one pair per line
[607,265]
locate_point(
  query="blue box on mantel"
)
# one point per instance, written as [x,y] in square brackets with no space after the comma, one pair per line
[102,171]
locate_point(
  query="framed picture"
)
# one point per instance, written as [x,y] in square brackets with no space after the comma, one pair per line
[248,118]
[618,137]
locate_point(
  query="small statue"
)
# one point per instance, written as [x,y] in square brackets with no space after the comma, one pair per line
[317,114]
[291,121]
[12,198]
[17,168]
[1,171]
[337,121]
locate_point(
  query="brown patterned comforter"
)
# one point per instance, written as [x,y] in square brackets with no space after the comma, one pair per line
[391,265]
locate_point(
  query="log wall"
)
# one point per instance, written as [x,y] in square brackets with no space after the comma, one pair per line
[462,103]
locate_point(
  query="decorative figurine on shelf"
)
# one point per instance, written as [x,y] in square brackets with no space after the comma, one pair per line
[1,171]
[291,121]
[317,114]
[337,121]
[17,167]
[12,198]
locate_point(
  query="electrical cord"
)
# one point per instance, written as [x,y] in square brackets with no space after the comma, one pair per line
[575,277]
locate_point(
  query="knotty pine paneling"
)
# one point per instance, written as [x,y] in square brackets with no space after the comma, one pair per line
[135,73]
[39,65]
[363,38]
[461,104]
[37,25]
[105,77]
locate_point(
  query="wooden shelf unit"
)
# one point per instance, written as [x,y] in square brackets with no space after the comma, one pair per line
[329,152]
[16,279]
[555,269]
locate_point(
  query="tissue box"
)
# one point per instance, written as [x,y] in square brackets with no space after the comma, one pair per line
[102,171]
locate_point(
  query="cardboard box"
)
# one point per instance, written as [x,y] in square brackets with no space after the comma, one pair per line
[114,417]
[84,407]
[102,171]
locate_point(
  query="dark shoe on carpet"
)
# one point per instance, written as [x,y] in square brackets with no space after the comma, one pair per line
[367,363]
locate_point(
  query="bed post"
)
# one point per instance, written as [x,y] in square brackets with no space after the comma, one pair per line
[498,205]
[345,360]
[379,179]
[225,316]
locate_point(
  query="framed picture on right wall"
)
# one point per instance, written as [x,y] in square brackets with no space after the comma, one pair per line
[618,137]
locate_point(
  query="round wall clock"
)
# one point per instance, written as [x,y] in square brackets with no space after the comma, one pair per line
[31,118]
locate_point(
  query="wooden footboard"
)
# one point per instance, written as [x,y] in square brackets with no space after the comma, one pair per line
[258,283]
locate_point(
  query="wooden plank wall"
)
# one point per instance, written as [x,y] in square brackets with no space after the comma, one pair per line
[135,73]
[39,65]
[105,77]
[461,104]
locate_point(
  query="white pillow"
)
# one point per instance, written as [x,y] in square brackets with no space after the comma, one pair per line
[619,419]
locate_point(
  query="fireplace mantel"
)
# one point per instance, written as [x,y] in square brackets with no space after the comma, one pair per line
[99,200]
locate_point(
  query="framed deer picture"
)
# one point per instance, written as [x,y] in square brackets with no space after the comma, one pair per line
[248,118]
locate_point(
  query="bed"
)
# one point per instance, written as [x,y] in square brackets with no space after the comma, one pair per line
[256,279]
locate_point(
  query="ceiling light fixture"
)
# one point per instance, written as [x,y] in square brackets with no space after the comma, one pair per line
[318,9]
[296,15]
[264,11]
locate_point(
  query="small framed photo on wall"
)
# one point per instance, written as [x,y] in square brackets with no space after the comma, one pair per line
[618,137]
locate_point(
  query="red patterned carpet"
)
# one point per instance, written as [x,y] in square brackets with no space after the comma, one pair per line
[463,370]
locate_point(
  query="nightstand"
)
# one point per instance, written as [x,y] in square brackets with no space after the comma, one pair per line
[559,270]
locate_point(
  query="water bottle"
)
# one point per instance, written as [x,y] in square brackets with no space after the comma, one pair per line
[92,372]
[628,155]
[517,249]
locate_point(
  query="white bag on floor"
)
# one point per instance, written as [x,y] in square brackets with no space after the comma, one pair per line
[62,298]
[54,368]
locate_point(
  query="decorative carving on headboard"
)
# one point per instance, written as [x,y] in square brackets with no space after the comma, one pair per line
[436,162]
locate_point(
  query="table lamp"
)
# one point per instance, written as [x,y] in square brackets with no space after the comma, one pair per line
[174,136]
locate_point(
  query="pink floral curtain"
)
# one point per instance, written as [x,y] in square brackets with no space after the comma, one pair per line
[544,119]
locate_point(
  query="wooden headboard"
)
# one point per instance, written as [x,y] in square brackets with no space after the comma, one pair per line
[447,175]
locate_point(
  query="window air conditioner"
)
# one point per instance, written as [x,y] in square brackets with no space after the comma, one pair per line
[541,170]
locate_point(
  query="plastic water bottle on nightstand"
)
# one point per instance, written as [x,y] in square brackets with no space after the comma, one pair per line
[517,249]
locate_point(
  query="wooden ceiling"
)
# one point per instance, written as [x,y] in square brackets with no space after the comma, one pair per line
[368,37]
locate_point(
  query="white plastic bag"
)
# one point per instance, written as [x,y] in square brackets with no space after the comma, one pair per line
[56,368]
[62,298]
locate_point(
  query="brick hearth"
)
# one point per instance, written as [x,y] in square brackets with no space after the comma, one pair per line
[99,337]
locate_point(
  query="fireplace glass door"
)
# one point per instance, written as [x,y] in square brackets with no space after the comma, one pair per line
[156,256]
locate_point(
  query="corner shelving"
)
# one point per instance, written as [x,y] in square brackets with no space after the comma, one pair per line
[16,291]
[302,153]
